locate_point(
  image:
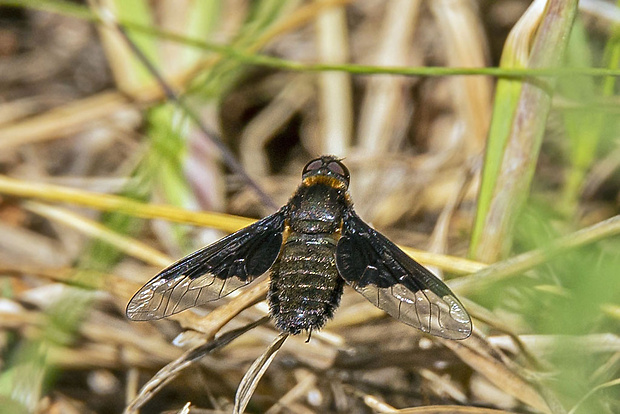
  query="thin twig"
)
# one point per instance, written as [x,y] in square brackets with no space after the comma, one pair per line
[227,155]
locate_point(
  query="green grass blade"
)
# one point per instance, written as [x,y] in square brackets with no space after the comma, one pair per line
[514,55]
[520,156]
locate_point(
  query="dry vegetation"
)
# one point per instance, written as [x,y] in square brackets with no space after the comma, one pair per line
[102,178]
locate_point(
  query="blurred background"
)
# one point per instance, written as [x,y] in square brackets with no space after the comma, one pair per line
[505,180]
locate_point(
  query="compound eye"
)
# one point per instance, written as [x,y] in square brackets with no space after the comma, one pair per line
[313,165]
[338,168]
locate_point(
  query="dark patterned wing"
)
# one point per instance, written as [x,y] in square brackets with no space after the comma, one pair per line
[212,272]
[394,282]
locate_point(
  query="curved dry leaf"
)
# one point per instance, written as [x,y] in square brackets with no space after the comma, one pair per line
[170,371]
[255,373]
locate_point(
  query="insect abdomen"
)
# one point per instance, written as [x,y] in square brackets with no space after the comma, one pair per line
[305,285]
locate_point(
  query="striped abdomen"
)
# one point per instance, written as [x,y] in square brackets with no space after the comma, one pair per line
[305,285]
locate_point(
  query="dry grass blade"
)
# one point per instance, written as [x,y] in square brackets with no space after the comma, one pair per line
[378,406]
[106,202]
[306,381]
[251,378]
[453,264]
[186,409]
[125,244]
[170,371]
[19,245]
[384,107]
[451,409]
[374,403]
[444,386]
[466,46]
[335,90]
[474,352]
[59,122]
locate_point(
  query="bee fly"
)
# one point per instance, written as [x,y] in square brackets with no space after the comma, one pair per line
[313,245]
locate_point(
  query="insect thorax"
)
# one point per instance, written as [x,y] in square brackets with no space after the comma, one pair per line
[317,208]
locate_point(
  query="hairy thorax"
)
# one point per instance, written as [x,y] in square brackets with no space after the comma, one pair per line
[317,208]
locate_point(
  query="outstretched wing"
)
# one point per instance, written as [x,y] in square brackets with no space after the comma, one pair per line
[394,282]
[212,272]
